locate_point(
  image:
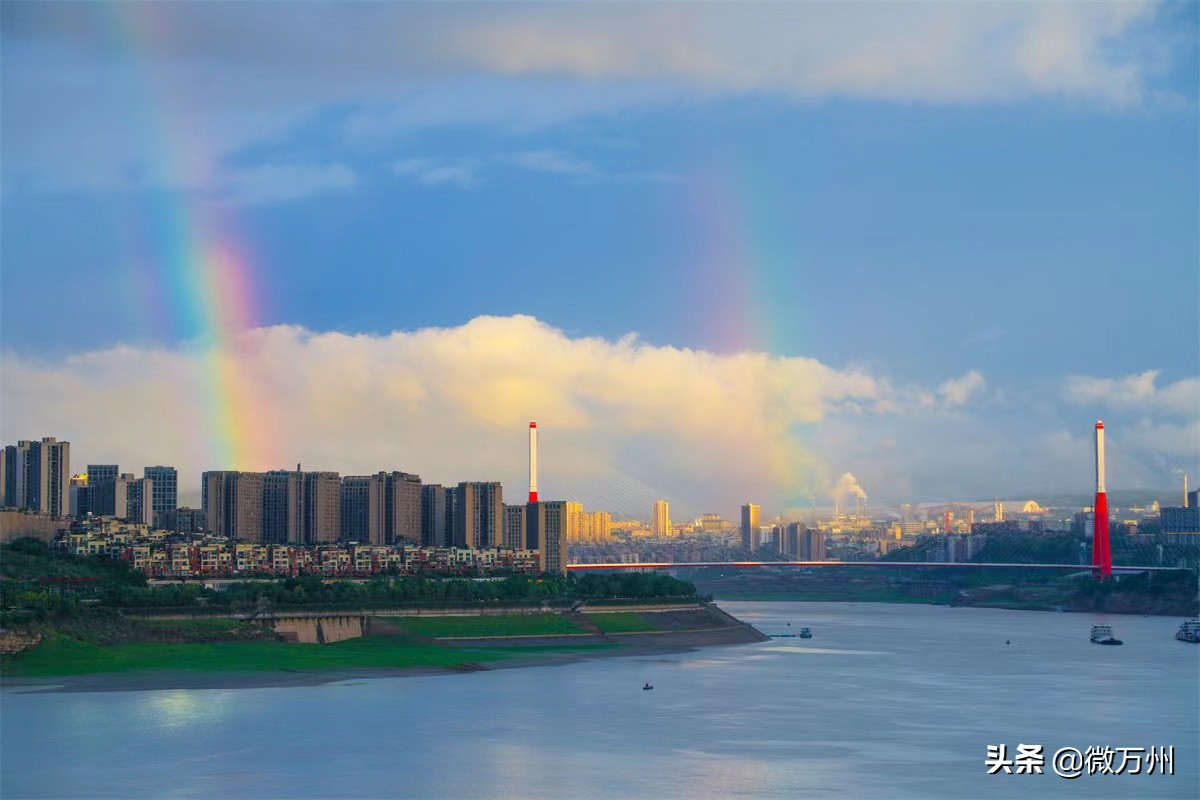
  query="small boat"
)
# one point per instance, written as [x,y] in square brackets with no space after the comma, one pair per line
[647,687]
[1102,634]
[806,633]
[1189,631]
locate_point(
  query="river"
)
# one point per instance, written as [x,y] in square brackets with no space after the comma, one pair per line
[886,701]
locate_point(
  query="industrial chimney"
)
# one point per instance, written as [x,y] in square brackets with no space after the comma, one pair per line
[533,462]
[1101,555]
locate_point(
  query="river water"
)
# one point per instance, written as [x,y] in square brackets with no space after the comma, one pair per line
[886,701]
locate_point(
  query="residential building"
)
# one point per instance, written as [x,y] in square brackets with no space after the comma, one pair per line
[282,513]
[1181,525]
[132,499]
[812,546]
[777,538]
[165,496]
[514,527]
[546,532]
[792,537]
[362,500]
[750,526]
[79,500]
[321,510]
[478,515]
[8,477]
[100,478]
[595,527]
[660,522]
[402,508]
[436,515]
[185,520]
[233,504]
[37,476]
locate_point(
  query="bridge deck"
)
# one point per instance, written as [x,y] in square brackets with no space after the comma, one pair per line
[877,564]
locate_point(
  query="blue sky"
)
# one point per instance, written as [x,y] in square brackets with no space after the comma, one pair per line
[911,194]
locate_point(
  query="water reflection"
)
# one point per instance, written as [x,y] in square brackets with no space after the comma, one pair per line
[724,722]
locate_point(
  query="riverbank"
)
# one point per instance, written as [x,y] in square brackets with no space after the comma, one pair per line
[1164,594]
[1132,609]
[392,649]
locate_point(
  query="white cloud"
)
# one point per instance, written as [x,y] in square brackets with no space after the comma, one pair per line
[439,172]
[274,183]
[1139,392]
[958,391]
[622,420]
[175,93]
[932,52]
[553,161]
[466,173]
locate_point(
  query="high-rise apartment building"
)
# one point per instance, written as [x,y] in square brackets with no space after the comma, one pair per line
[777,538]
[436,515]
[792,538]
[546,532]
[37,476]
[595,526]
[165,497]
[283,505]
[574,521]
[601,526]
[132,499]
[185,520]
[402,508]
[233,504]
[100,479]
[322,506]
[362,509]
[750,526]
[384,508]
[79,498]
[514,527]
[813,546]
[478,515]
[661,522]
[8,477]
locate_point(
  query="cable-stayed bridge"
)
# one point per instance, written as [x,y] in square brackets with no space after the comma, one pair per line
[1057,551]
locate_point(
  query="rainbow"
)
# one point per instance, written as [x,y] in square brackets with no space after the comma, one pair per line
[750,258]
[748,285]
[191,275]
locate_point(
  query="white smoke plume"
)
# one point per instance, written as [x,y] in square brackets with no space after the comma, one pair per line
[848,486]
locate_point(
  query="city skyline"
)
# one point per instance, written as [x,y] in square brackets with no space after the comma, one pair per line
[734,267]
[166,494]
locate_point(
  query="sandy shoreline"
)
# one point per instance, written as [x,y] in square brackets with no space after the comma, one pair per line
[664,643]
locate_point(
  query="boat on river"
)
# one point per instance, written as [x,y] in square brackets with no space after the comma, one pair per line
[806,633]
[1102,634]
[1189,631]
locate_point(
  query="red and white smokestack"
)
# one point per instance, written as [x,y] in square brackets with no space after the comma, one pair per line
[1101,555]
[533,462]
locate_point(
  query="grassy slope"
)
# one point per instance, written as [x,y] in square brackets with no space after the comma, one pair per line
[30,566]
[620,622]
[63,656]
[487,626]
